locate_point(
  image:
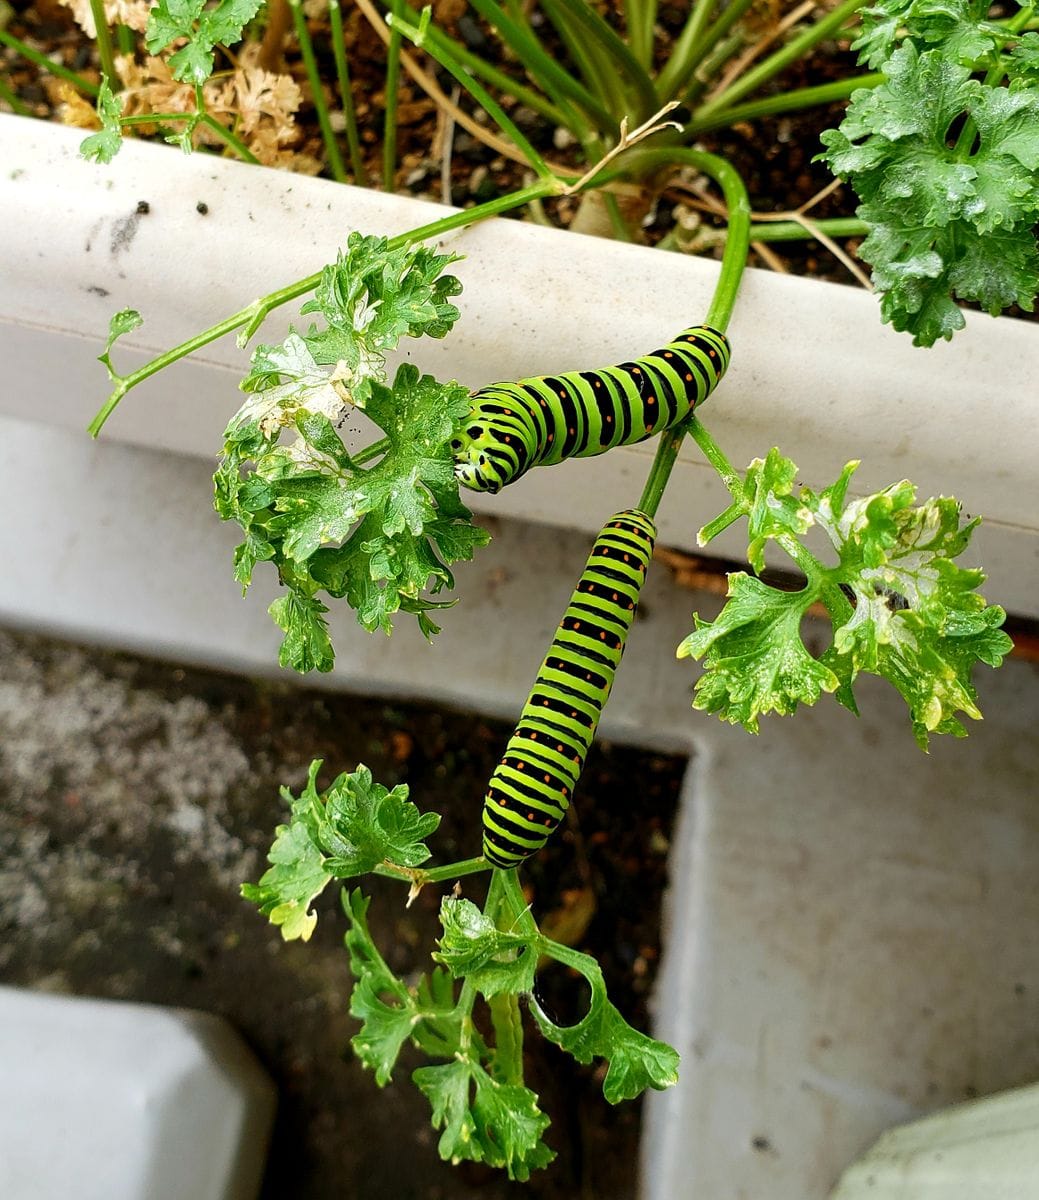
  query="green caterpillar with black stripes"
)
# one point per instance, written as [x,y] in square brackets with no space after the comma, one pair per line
[531,787]
[542,420]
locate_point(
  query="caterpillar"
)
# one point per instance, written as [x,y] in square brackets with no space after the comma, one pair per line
[531,787]
[542,420]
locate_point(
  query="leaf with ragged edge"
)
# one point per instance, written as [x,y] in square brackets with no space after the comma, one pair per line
[914,616]
[103,146]
[391,1012]
[474,948]
[203,26]
[483,1120]
[347,830]
[636,1062]
[298,872]
[370,298]
[753,657]
[306,645]
[382,536]
[959,26]
[950,217]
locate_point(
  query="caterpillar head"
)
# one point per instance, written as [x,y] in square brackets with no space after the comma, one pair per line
[473,467]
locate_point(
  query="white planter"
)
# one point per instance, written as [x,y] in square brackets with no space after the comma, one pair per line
[830,883]
[814,371]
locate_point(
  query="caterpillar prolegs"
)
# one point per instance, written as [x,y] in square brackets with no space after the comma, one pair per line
[531,787]
[542,420]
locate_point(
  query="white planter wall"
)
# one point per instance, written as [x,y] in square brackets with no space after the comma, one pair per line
[848,924]
[813,371]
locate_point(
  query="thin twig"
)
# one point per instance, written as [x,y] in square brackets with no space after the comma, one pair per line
[798,215]
[711,205]
[432,90]
[626,141]
[447,148]
[736,68]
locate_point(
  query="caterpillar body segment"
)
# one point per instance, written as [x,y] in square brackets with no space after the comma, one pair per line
[544,419]
[531,787]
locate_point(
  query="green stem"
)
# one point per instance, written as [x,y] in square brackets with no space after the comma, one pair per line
[640,16]
[730,15]
[232,140]
[317,93]
[41,60]
[505,1011]
[522,918]
[734,260]
[419,877]
[478,92]
[253,315]
[392,86]
[622,69]
[12,101]
[540,65]
[124,36]
[346,95]
[714,454]
[499,79]
[685,53]
[809,97]
[794,231]
[104,40]
[795,49]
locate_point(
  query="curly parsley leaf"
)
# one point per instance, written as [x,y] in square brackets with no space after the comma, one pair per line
[103,146]
[947,169]
[370,298]
[203,25]
[636,1062]
[389,1010]
[383,536]
[473,947]
[900,608]
[483,1120]
[346,830]
[959,25]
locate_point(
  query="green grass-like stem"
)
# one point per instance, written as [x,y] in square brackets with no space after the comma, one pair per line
[479,94]
[730,15]
[232,139]
[686,52]
[12,101]
[622,70]
[540,65]
[346,95]
[253,315]
[103,37]
[767,106]
[419,877]
[796,48]
[499,79]
[41,60]
[640,17]
[794,231]
[306,49]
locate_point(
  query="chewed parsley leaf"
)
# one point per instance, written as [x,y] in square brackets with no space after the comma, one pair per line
[635,1061]
[346,830]
[947,169]
[203,25]
[103,146]
[472,946]
[383,533]
[370,298]
[900,607]
[483,1120]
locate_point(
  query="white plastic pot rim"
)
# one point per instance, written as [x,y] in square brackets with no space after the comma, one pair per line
[189,240]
